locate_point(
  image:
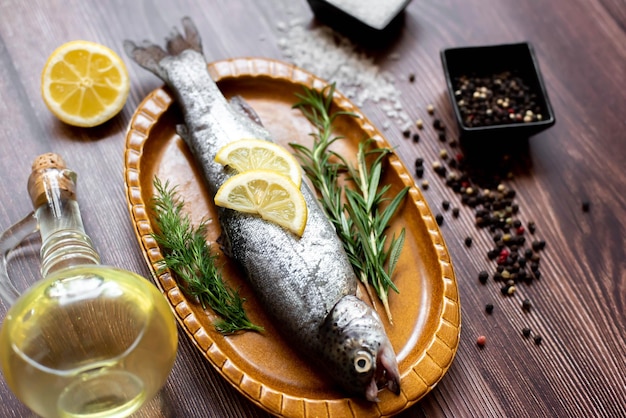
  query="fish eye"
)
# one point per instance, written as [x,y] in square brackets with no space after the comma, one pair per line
[362,362]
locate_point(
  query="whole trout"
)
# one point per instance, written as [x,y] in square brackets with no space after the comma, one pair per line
[306,284]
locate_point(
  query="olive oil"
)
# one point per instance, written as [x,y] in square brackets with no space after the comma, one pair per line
[87,340]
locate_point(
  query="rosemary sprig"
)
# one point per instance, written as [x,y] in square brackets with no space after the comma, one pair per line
[188,256]
[361,221]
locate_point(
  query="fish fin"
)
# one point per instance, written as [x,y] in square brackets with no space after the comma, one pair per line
[182,131]
[149,55]
[176,43]
[371,392]
[239,105]
[223,242]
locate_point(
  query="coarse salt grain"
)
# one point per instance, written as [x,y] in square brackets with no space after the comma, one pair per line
[335,58]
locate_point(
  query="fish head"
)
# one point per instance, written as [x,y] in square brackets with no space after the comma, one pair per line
[357,351]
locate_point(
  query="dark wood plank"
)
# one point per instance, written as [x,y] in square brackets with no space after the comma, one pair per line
[578,305]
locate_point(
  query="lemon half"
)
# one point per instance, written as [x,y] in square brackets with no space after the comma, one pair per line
[84,83]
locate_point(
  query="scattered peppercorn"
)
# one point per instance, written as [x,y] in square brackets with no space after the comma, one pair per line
[538,245]
[416,138]
[483,276]
[455,212]
[445,204]
[406,133]
[526,332]
[425,184]
[439,219]
[419,123]
[481,341]
[489,308]
[538,339]
[442,137]
[468,241]
[526,305]
[411,77]
[586,206]
[430,109]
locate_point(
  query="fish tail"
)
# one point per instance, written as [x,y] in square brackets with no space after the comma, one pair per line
[149,55]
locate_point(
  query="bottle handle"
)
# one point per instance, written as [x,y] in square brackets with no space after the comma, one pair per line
[10,239]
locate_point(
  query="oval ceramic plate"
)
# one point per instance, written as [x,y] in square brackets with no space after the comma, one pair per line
[426,312]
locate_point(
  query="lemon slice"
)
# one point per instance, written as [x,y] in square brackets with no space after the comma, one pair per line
[267,193]
[252,154]
[84,83]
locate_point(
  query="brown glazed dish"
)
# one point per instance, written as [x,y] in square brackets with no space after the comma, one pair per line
[427,316]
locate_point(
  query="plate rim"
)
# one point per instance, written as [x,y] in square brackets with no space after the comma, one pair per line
[438,353]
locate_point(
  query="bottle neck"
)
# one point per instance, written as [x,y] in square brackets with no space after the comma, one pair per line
[64,241]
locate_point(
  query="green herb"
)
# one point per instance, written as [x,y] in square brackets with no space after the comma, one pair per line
[357,213]
[188,256]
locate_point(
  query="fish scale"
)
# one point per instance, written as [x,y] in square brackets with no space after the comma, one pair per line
[306,283]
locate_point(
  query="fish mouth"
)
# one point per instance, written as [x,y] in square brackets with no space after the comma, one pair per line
[387,374]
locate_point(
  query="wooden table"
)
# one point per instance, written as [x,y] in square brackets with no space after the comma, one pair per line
[578,305]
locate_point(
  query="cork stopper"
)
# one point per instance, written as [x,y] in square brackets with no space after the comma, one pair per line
[49,171]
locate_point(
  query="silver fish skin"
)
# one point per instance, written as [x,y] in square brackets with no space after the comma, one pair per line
[306,284]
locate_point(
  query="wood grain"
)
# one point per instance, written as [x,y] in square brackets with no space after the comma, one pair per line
[578,305]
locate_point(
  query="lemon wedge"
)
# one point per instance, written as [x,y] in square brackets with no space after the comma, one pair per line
[253,154]
[273,196]
[84,83]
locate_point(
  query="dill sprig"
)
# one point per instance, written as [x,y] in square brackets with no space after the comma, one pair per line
[189,257]
[358,213]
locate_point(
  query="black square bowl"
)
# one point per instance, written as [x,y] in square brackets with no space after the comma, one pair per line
[374,22]
[477,110]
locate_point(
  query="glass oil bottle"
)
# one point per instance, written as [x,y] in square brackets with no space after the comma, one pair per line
[86,340]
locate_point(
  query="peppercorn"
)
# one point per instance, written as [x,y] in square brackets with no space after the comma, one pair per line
[419,123]
[416,138]
[481,340]
[586,206]
[538,339]
[439,219]
[526,305]
[538,245]
[468,242]
[445,204]
[532,227]
[406,133]
[411,78]
[455,212]
[483,276]
[430,109]
[419,172]
[489,308]
[425,184]
[442,137]
[419,162]
[526,332]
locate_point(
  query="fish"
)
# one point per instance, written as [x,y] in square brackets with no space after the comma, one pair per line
[306,284]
